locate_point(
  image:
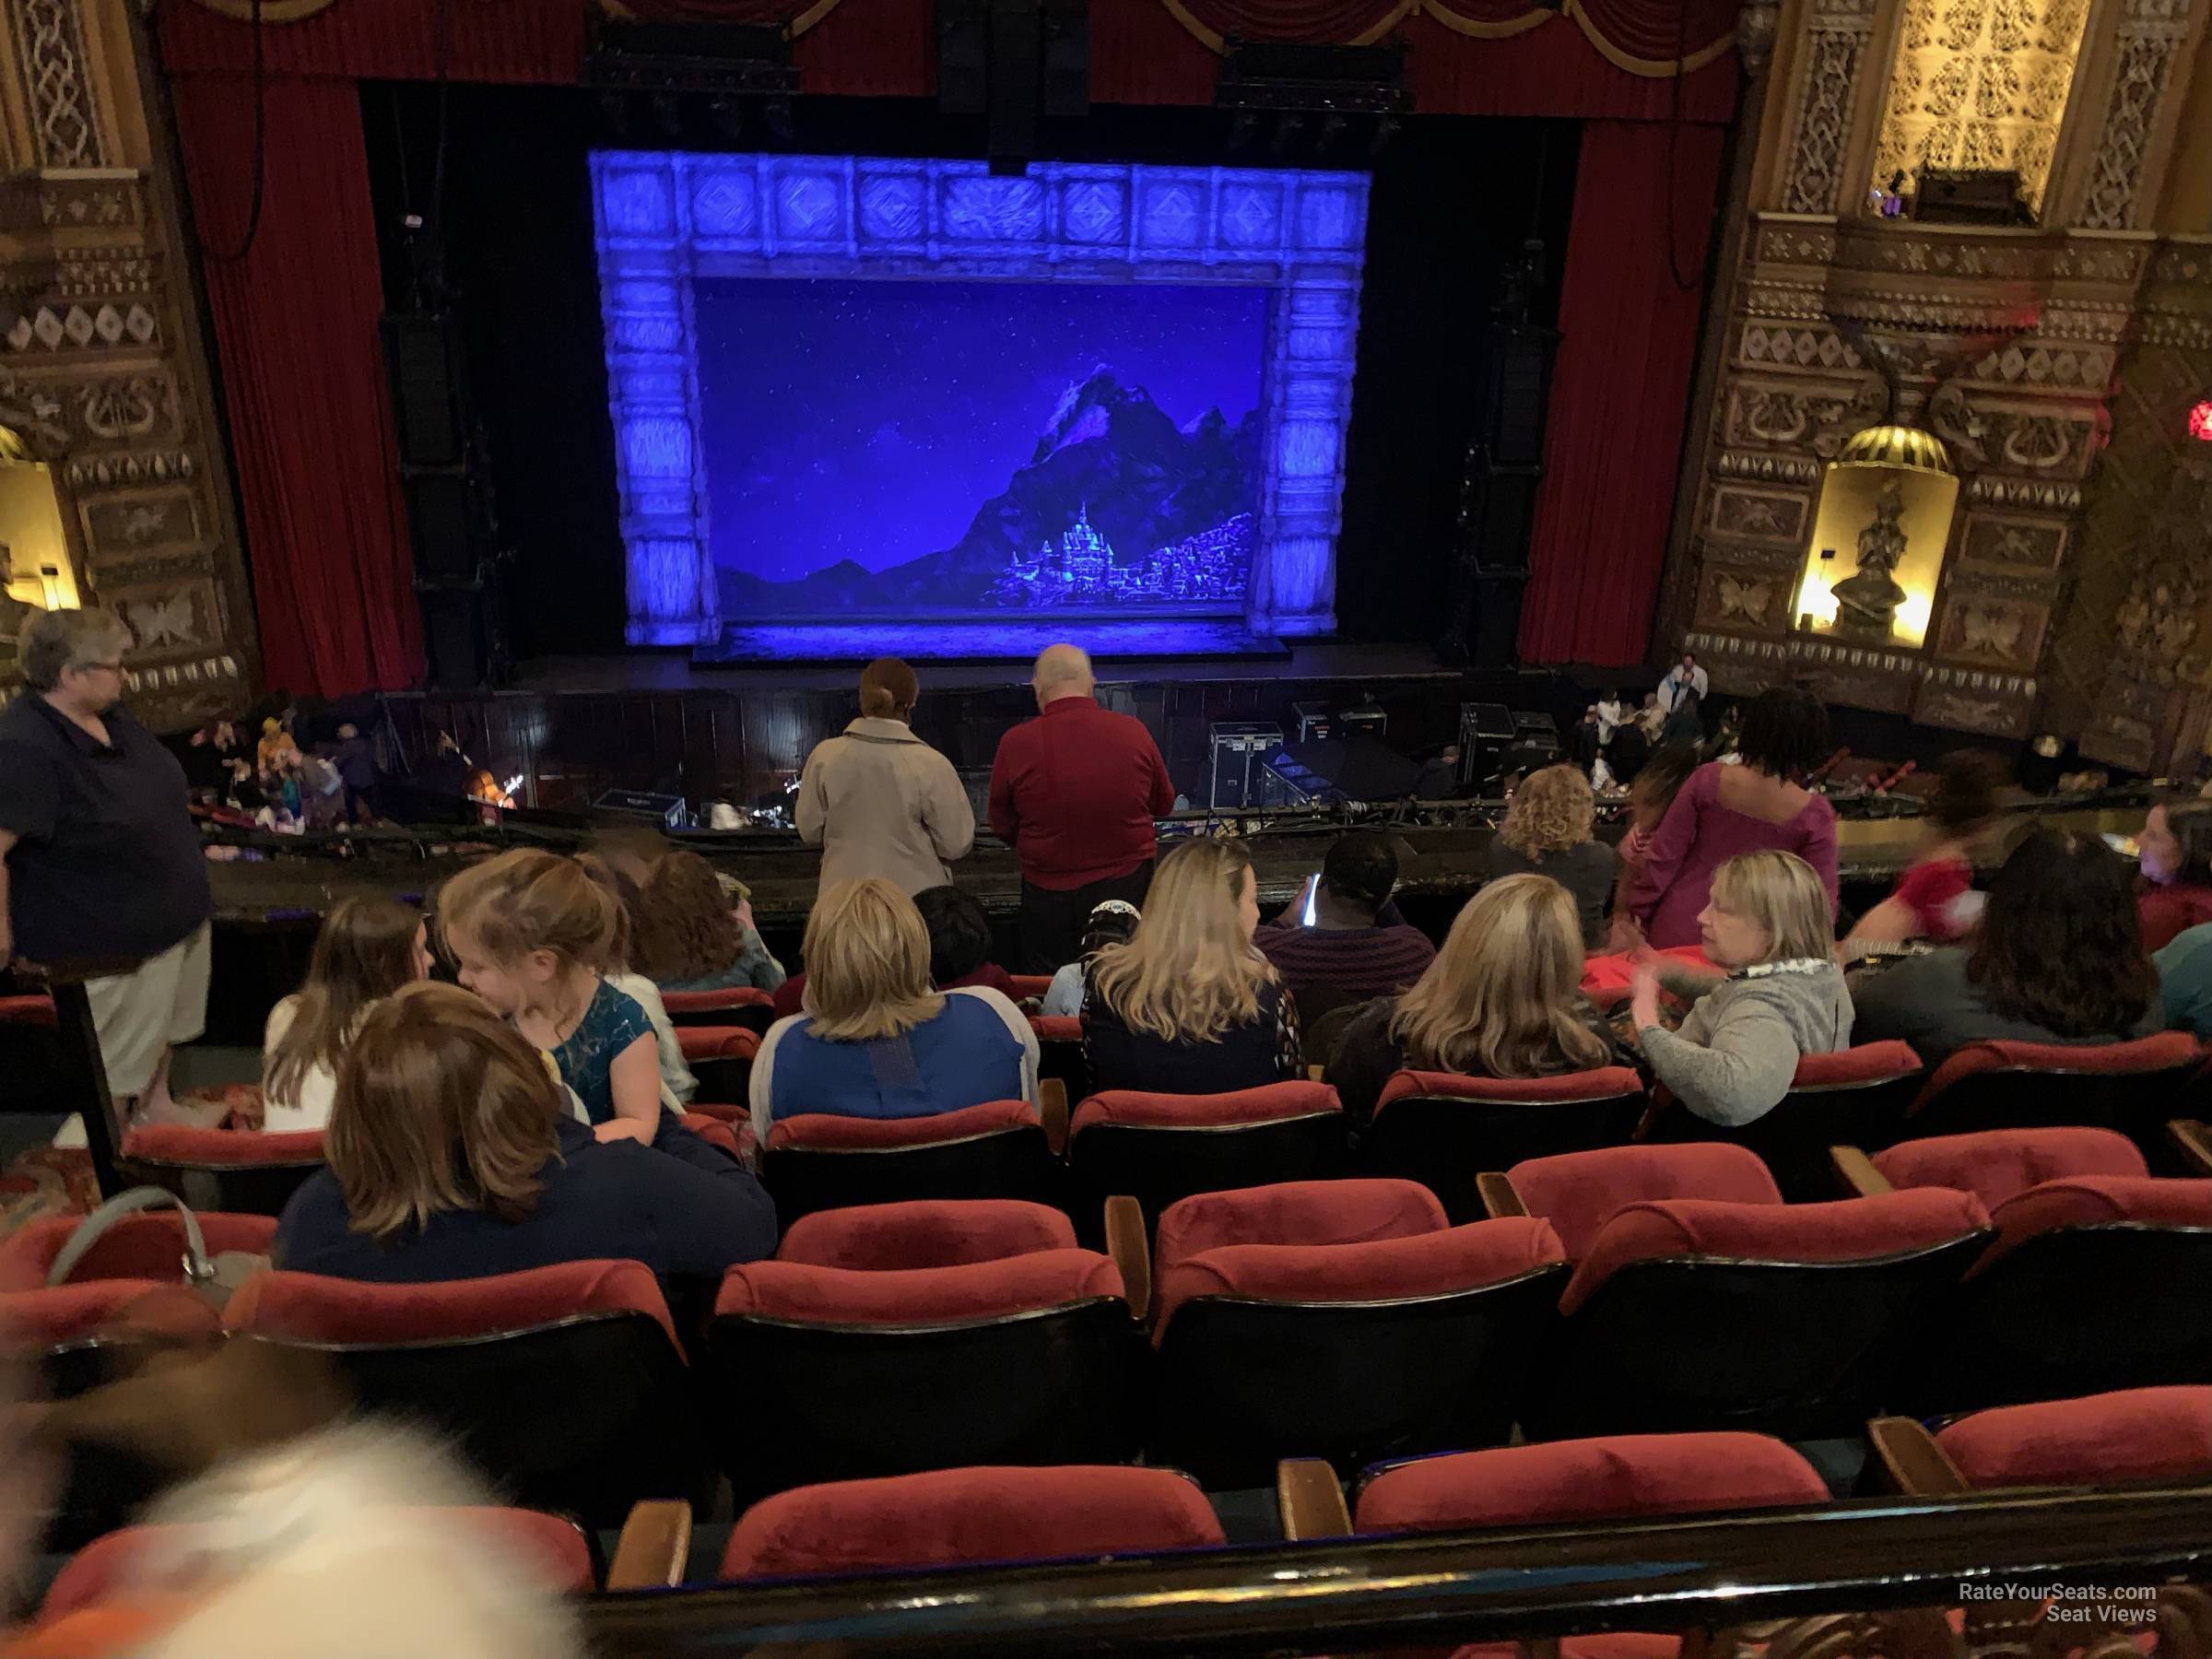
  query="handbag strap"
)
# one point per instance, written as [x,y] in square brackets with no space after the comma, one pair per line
[198,1269]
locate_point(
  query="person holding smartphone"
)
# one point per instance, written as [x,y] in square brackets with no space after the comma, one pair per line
[1343,942]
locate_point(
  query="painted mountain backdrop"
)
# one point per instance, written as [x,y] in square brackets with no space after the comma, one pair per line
[1116,506]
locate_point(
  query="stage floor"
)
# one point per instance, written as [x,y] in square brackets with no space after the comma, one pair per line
[828,644]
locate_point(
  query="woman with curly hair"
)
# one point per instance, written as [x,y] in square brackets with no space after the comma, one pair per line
[1547,832]
[690,936]
[2058,957]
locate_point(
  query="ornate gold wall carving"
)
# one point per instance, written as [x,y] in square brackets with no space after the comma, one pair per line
[1979,83]
[102,364]
[2151,33]
[1835,48]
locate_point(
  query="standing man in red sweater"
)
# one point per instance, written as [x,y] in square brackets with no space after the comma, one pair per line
[1074,792]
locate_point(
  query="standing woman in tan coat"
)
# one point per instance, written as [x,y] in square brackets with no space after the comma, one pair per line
[878,800]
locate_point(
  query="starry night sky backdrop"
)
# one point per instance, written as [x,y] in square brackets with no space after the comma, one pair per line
[870,421]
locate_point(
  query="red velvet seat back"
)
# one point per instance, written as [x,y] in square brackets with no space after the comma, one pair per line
[77,1313]
[2002,1164]
[1851,1230]
[924,1233]
[2167,1051]
[2136,1434]
[1605,1083]
[1859,1068]
[1298,1212]
[1579,1191]
[828,1132]
[717,1042]
[1616,1476]
[146,1246]
[707,1002]
[796,1293]
[1027,985]
[33,1010]
[951,1517]
[222,1148]
[1273,1103]
[305,1307]
[552,1550]
[2094,1201]
[1391,1269]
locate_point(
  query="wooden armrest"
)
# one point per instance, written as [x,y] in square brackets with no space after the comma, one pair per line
[1310,1500]
[2195,1140]
[1051,1106]
[1910,1460]
[1313,1074]
[1650,1120]
[1126,1245]
[656,1547]
[1856,1174]
[1498,1195]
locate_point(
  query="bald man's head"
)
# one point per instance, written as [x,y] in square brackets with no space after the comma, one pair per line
[1062,671]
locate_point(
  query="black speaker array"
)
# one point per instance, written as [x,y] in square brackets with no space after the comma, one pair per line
[1497,490]
[449,500]
[1011,61]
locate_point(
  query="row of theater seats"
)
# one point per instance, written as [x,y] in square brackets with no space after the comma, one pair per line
[1624,1289]
[973,1516]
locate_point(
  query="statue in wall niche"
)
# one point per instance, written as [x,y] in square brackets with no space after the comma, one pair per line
[1866,601]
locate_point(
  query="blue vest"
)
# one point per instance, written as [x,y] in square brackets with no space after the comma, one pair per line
[962,1057]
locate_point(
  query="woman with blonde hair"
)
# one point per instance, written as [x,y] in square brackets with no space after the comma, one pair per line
[1190,1006]
[452,1155]
[1502,999]
[876,1040]
[1547,832]
[1767,924]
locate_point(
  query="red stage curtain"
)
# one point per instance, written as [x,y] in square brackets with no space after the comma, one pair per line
[1627,341]
[304,381]
[536,42]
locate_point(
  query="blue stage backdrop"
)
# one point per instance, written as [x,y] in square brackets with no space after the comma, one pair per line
[867,405]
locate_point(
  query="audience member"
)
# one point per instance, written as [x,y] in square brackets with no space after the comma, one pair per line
[1609,714]
[2185,980]
[452,1155]
[1439,777]
[1768,923]
[1685,676]
[690,937]
[878,800]
[1189,1006]
[959,941]
[1358,946]
[532,934]
[1934,898]
[2057,958]
[1725,810]
[1658,782]
[1628,754]
[876,1040]
[369,948]
[678,1083]
[1685,726]
[1651,719]
[2174,853]
[1547,832]
[1074,792]
[100,860]
[1585,739]
[1113,922]
[1502,999]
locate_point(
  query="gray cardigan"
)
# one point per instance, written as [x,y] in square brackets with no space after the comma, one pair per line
[1734,1057]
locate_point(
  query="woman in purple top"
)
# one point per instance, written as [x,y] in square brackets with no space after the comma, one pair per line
[1727,809]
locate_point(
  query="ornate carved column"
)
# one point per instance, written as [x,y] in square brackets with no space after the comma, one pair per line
[103,372]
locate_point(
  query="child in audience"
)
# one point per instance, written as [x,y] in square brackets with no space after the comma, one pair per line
[1502,999]
[1934,897]
[368,948]
[1658,781]
[678,1083]
[532,935]
[1768,924]
[959,941]
[1112,922]
[690,937]
[876,1040]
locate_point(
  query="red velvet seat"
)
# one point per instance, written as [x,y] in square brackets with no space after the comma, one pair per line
[1577,1192]
[721,1058]
[2135,1434]
[899,1337]
[733,1006]
[2132,1088]
[1160,1147]
[1443,1129]
[553,1549]
[1855,1097]
[1623,1478]
[33,1010]
[957,1517]
[820,1160]
[566,1385]
[1028,987]
[241,1170]
[82,1333]
[1060,1051]
[1340,1319]
[146,1246]
[1691,1313]
[2093,1282]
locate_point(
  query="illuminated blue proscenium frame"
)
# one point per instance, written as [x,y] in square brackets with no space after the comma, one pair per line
[666,219]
